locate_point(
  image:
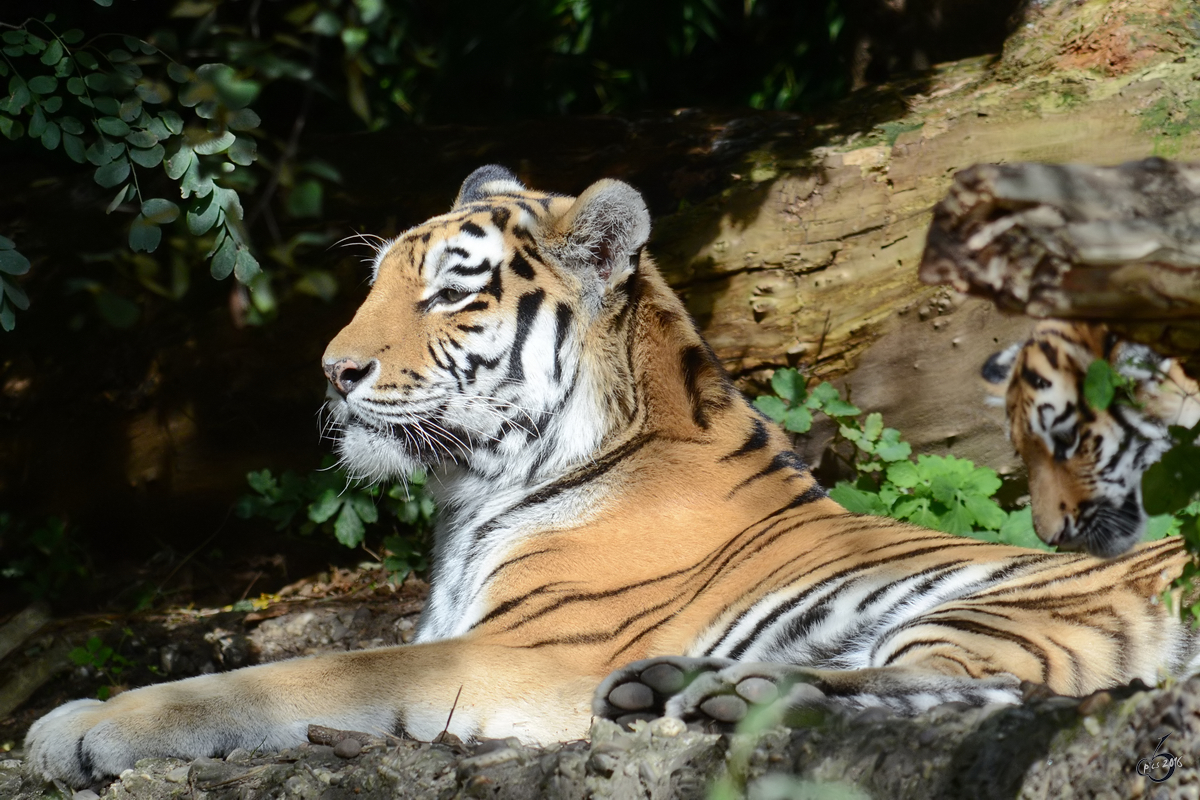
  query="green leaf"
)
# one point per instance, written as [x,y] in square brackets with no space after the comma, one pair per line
[99,82]
[203,215]
[944,489]
[111,174]
[224,260]
[957,520]
[797,420]
[72,36]
[144,235]
[43,84]
[116,310]
[159,211]
[8,319]
[841,408]
[1100,385]
[890,448]
[113,126]
[873,426]
[51,136]
[215,144]
[325,506]
[244,119]
[118,55]
[788,384]
[173,121]
[1160,526]
[73,146]
[348,528]
[7,244]
[1172,483]
[903,474]
[364,506]
[107,105]
[246,268]
[37,123]
[53,54]
[986,512]
[824,392]
[142,139]
[245,150]
[51,105]
[131,109]
[150,157]
[104,3]
[179,162]
[16,295]
[856,500]
[772,406]
[305,201]
[86,60]
[119,198]
[12,262]
[154,92]
[76,86]
[1018,530]
[104,151]
[178,72]
[70,125]
[926,519]
[982,481]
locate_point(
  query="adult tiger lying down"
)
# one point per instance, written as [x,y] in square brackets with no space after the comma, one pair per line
[612,506]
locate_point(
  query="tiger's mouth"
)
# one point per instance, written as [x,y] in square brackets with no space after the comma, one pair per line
[1106,528]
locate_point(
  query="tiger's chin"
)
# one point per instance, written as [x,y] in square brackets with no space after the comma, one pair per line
[372,455]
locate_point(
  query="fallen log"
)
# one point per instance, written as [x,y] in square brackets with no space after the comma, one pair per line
[1119,245]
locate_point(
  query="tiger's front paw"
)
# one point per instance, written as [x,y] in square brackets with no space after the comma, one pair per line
[73,744]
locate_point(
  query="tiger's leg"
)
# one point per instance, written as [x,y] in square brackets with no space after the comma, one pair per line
[718,691]
[504,692]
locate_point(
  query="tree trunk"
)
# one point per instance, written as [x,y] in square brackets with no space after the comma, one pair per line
[1119,245]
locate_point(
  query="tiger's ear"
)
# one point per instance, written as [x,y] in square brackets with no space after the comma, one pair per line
[604,232]
[998,368]
[487,181]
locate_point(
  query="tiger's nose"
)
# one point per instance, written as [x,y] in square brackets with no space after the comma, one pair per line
[345,374]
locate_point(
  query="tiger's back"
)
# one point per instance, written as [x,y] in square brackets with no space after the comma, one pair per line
[611,505]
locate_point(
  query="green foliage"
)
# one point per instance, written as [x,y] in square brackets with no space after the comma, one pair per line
[1172,487]
[108,101]
[1104,384]
[104,660]
[44,559]
[327,499]
[940,492]
[12,298]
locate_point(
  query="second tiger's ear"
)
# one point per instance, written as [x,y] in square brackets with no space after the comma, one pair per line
[998,368]
[485,182]
[603,234]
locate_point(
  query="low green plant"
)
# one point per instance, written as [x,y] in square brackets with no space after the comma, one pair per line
[106,661]
[941,492]
[1172,488]
[328,500]
[42,559]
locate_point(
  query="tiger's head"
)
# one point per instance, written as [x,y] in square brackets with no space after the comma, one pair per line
[1085,465]
[498,338]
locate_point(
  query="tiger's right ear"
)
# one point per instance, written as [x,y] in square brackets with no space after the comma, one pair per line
[603,234]
[998,368]
[485,182]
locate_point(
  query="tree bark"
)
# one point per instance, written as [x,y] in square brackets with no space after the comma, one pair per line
[1119,245]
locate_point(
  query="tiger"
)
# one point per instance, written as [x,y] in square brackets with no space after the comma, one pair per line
[1086,464]
[621,534]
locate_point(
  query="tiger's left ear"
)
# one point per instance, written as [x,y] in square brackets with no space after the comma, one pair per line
[603,234]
